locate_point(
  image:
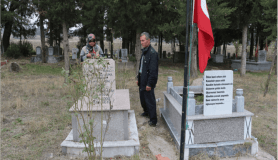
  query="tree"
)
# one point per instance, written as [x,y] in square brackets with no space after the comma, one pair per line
[14,22]
[66,12]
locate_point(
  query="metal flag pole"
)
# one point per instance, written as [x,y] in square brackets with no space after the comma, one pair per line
[184,98]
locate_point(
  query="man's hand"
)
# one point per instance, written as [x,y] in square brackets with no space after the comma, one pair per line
[137,83]
[148,88]
[89,55]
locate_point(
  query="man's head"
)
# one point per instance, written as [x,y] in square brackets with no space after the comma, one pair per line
[91,39]
[145,39]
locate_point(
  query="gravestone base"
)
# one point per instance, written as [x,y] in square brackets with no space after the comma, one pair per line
[35,59]
[252,65]
[221,149]
[51,59]
[111,149]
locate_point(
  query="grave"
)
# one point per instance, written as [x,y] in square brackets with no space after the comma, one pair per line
[252,65]
[51,58]
[164,55]
[121,137]
[56,50]
[218,57]
[220,126]
[38,57]
[124,55]
[74,53]
[229,55]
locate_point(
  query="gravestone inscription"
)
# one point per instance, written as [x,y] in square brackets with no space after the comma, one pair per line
[218,92]
[106,76]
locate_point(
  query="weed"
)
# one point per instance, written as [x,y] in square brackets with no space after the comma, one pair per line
[18,135]
[5,130]
[44,104]
[18,121]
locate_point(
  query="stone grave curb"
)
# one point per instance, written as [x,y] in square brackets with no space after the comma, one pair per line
[191,150]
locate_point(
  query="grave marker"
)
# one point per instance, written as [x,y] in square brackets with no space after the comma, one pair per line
[74,53]
[262,56]
[124,55]
[50,51]
[38,50]
[107,74]
[218,92]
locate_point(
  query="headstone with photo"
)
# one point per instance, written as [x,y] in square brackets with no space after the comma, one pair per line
[124,55]
[122,134]
[74,52]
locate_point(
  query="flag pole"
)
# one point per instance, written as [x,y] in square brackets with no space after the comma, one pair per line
[184,98]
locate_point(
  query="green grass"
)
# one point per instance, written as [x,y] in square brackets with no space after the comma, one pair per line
[42,70]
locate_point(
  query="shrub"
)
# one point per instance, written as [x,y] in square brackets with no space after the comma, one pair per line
[13,51]
[16,50]
[132,58]
[26,48]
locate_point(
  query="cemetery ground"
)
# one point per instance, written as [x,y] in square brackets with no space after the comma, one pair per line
[35,110]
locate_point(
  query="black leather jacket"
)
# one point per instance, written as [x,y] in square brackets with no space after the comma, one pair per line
[149,74]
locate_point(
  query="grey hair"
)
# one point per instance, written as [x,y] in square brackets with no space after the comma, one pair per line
[145,34]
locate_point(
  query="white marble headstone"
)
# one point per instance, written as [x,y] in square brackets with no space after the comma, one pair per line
[218,92]
[38,50]
[107,76]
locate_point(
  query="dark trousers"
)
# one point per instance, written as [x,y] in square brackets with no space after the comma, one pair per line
[148,103]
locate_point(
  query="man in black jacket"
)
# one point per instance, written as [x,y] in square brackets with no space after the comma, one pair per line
[147,78]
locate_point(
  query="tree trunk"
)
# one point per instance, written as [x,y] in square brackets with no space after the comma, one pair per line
[42,39]
[161,42]
[51,33]
[193,70]
[137,51]
[276,68]
[111,39]
[101,40]
[7,34]
[173,49]
[243,54]
[252,44]
[224,49]
[65,46]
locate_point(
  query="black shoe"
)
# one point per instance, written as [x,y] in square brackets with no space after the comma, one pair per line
[144,114]
[152,124]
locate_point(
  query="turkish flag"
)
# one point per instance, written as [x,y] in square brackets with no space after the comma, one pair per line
[205,35]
